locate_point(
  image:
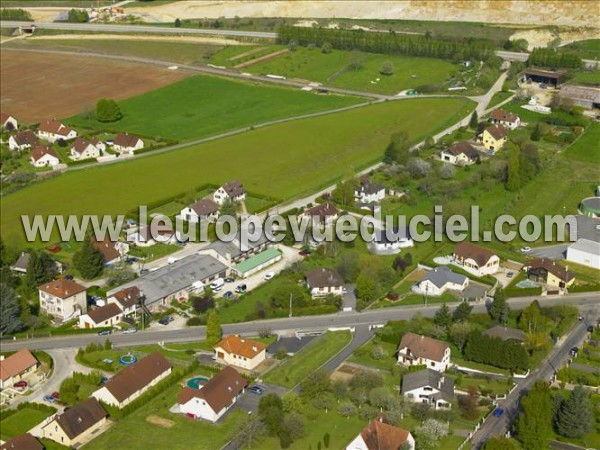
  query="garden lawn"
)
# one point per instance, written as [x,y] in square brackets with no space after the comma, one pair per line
[586,148]
[499,97]
[587,77]
[135,432]
[288,160]
[588,49]
[203,105]
[21,422]
[296,368]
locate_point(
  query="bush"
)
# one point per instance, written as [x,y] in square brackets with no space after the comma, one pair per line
[78,16]
[14,14]
[107,110]
[194,322]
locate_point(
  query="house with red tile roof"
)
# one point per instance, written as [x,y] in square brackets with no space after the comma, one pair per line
[43,156]
[323,282]
[460,154]
[322,214]
[419,350]
[494,137]
[86,149]
[108,315]
[76,425]
[505,118]
[111,250]
[202,210]
[232,190]
[549,272]
[16,366]
[381,435]
[22,442]
[52,130]
[241,352]
[63,299]
[127,299]
[8,122]
[125,143]
[476,260]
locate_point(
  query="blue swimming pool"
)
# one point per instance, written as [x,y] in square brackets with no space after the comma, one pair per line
[527,284]
[195,383]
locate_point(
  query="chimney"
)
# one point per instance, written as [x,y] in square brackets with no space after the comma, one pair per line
[254,348]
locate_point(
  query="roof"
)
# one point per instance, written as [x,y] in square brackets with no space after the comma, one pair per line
[423,347]
[107,248]
[496,131]
[429,377]
[205,207]
[588,228]
[26,137]
[218,392]
[16,364]
[53,126]
[81,144]
[505,333]
[22,442]
[137,376]
[587,246]
[174,277]
[543,73]
[390,236]
[322,211]
[381,435]
[463,147]
[62,288]
[503,116]
[471,251]
[587,93]
[258,259]
[103,313]
[243,347]
[4,117]
[321,278]
[233,249]
[81,417]
[41,150]
[442,275]
[368,187]
[127,297]
[555,269]
[22,262]
[234,188]
[126,140]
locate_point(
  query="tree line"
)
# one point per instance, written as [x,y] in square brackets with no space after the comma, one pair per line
[390,43]
[549,57]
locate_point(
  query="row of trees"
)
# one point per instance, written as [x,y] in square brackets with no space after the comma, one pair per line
[15,14]
[388,43]
[548,57]
[523,164]
[508,354]
[78,16]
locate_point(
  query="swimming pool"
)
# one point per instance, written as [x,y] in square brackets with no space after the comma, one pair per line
[196,382]
[526,284]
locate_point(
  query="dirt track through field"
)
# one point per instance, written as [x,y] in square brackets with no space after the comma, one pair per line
[261,59]
[38,86]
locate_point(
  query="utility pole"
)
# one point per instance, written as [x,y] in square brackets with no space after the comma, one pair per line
[290,305]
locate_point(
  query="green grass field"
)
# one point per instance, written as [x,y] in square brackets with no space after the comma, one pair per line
[588,49]
[202,105]
[499,97]
[591,77]
[290,160]
[586,148]
[296,368]
[21,422]
[333,69]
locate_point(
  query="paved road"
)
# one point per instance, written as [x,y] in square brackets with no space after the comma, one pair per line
[499,426]
[553,252]
[585,301]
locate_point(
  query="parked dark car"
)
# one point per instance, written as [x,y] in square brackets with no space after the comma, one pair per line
[228,295]
[241,288]
[590,329]
[573,351]
[256,390]
[104,332]
[498,412]
[164,321]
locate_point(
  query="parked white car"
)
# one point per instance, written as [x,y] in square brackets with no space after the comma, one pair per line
[269,275]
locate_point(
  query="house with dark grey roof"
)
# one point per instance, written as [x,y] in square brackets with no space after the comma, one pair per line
[549,272]
[322,282]
[23,140]
[439,280]
[390,241]
[369,192]
[176,281]
[429,387]
[232,190]
[202,210]
[76,425]
[505,333]
[20,265]
[131,382]
[322,214]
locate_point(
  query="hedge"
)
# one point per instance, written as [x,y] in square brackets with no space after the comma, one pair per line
[26,405]
[522,292]
[584,288]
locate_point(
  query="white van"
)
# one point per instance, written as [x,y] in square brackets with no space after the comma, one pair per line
[217,285]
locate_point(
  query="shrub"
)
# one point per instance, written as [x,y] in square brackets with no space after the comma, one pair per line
[194,322]
[107,110]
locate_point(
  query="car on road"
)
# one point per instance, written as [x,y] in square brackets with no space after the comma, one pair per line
[256,390]
[573,351]
[130,330]
[510,274]
[590,329]
[217,285]
[525,249]
[228,295]
[498,412]
[269,275]
[241,288]
[164,321]
[20,384]
[55,395]
[49,399]
[104,332]
[229,280]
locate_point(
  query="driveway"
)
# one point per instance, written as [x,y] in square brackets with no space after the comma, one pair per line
[553,252]
[292,344]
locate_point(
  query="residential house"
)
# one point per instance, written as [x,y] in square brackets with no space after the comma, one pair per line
[42,156]
[22,442]
[16,366]
[505,333]
[131,382]
[369,192]
[381,435]
[322,282]
[419,350]
[176,281]
[64,299]
[390,241]
[52,130]
[232,190]
[145,236]
[77,424]
[475,259]
[437,281]
[22,262]
[240,352]
[321,214]
[108,315]
[460,154]
[8,122]
[215,398]
[203,210]
[111,250]
[23,140]
[505,118]
[84,149]
[125,143]
[494,137]
[127,299]
[549,272]
[430,387]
